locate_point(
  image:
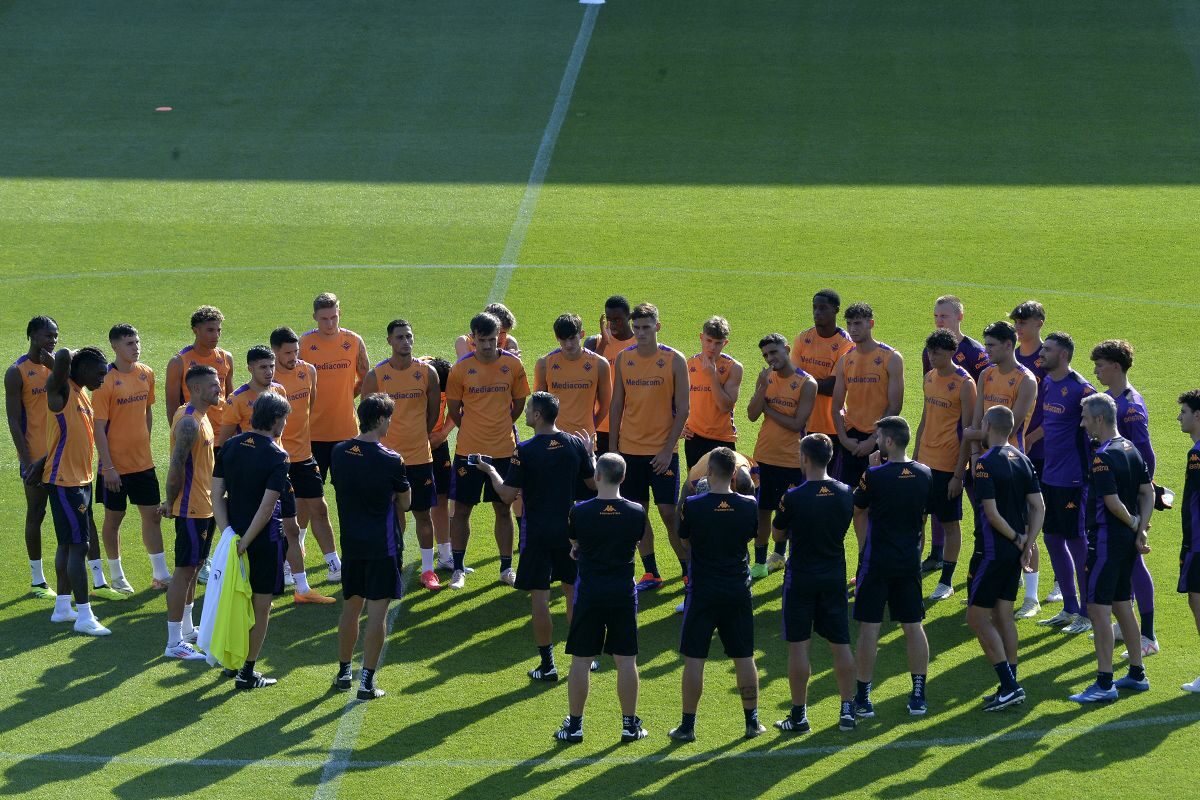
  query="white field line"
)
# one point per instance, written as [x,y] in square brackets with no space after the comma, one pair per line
[1058,732]
[783,273]
[541,162]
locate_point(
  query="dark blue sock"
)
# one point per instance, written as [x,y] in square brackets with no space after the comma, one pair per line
[781,548]
[1013,668]
[1137,673]
[505,563]
[760,554]
[574,723]
[935,552]
[863,693]
[689,722]
[651,564]
[1105,679]
[459,557]
[1148,624]
[1007,682]
[547,654]
[797,713]
[751,715]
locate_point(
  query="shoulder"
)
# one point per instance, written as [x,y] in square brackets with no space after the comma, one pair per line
[962,373]
[1075,377]
[307,334]
[241,390]
[469,357]
[840,333]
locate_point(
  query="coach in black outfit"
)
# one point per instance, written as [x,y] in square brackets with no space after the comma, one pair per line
[252,470]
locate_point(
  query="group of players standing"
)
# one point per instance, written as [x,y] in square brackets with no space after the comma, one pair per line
[1035,446]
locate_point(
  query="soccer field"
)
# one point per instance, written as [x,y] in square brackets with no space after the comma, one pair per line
[422,158]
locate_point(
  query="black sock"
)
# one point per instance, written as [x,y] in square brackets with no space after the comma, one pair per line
[760,554]
[918,684]
[751,715]
[459,557]
[505,563]
[798,713]
[688,723]
[368,678]
[781,548]
[935,552]
[1138,673]
[546,651]
[1013,668]
[1148,625]
[863,693]
[247,671]
[628,721]
[948,572]
[1105,680]
[344,667]
[847,708]
[651,564]
[574,723]
[1007,682]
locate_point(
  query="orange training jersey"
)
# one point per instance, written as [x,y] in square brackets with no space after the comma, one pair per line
[195,499]
[776,445]
[120,406]
[818,355]
[407,434]
[576,385]
[33,404]
[486,392]
[336,359]
[704,418]
[610,354]
[866,377]
[69,442]
[942,435]
[298,384]
[1001,388]
[218,359]
[240,407]
[649,409]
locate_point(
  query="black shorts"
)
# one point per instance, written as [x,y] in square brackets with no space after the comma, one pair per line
[815,603]
[193,538]
[730,617]
[71,508]
[266,564]
[323,455]
[285,507]
[944,508]
[774,482]
[598,626]
[601,443]
[850,466]
[697,447]
[993,578]
[467,483]
[900,592]
[307,481]
[1189,572]
[373,578]
[1064,511]
[641,481]
[1111,556]
[541,566]
[424,486]
[139,488]
[442,462]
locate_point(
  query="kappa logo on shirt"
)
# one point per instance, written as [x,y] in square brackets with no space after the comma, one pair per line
[429,481]
[669,473]
[555,366]
[354,450]
[387,377]
[118,382]
[906,473]
[824,492]
[808,340]
[1193,460]
[249,442]
[31,373]
[312,347]
[462,472]
[1071,505]
[690,369]
[554,445]
[471,371]
[723,506]
[514,461]
[836,346]
[609,510]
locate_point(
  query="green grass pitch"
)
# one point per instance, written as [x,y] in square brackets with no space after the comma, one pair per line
[717,157]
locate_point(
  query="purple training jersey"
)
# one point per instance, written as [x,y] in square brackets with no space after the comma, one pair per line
[970,355]
[1033,363]
[1191,505]
[1133,422]
[1065,447]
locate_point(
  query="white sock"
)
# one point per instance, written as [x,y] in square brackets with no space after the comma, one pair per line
[36,578]
[158,562]
[1031,586]
[444,552]
[302,586]
[186,622]
[62,604]
[85,611]
[332,560]
[115,569]
[426,559]
[174,633]
[97,568]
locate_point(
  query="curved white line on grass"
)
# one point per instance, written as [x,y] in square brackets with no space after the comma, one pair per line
[541,162]
[1056,732]
[778,274]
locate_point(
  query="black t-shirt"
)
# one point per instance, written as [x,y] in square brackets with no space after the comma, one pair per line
[366,475]
[1006,475]
[897,496]
[718,527]
[816,516]
[1115,468]
[607,532]
[547,469]
[251,464]
[1191,502]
